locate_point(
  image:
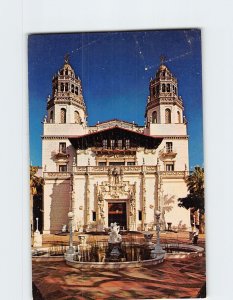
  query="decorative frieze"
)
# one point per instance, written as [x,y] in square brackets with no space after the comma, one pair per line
[56,175]
[173,174]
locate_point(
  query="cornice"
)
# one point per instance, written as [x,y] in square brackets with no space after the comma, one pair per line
[62,137]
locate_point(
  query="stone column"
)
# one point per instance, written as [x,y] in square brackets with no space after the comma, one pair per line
[158,186]
[143,193]
[73,202]
[100,212]
[132,209]
[87,199]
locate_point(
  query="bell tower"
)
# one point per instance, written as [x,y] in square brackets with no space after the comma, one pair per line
[66,105]
[164,109]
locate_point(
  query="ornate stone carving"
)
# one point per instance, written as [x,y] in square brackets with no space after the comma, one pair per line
[116,188]
[56,175]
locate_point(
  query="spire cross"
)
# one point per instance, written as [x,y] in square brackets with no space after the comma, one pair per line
[67,56]
[162,59]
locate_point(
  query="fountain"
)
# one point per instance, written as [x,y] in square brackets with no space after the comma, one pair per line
[117,252]
[114,242]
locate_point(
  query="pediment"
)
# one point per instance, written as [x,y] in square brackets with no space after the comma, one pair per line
[116,122]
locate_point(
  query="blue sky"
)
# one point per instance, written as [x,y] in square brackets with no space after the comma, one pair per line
[115,69]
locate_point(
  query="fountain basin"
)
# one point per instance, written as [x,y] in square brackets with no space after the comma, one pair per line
[174,251]
[114,265]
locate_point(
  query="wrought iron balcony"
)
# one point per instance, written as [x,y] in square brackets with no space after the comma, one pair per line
[169,152]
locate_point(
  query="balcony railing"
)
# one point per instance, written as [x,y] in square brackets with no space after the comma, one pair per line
[56,175]
[168,152]
[61,154]
[174,174]
[104,170]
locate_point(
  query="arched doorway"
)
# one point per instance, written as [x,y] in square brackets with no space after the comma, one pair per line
[117,213]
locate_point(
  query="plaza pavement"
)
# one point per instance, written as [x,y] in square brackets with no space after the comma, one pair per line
[174,278]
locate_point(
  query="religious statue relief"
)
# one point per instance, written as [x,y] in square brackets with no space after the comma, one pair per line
[115,175]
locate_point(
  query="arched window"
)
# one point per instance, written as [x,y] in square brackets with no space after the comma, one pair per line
[163,87]
[168,88]
[62,87]
[167,115]
[51,117]
[77,118]
[178,117]
[63,115]
[61,72]
[154,117]
[66,87]
[76,90]
[72,88]
[66,72]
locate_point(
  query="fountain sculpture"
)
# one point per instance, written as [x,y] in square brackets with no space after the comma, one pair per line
[158,250]
[114,242]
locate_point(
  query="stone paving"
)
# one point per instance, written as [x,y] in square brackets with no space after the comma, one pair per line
[171,279]
[177,278]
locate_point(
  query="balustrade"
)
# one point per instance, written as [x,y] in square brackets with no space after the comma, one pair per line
[105,170]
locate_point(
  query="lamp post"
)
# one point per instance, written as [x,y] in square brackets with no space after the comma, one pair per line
[158,250]
[37,236]
[157,216]
[37,230]
[70,250]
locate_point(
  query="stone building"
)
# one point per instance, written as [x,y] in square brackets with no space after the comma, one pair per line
[115,171]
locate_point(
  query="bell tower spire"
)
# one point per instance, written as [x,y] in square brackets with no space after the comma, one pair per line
[66,58]
[66,105]
[164,105]
[162,59]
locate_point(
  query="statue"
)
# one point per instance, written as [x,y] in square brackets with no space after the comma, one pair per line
[114,237]
[115,175]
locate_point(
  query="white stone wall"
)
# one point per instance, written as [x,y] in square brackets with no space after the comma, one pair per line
[160,109]
[83,157]
[56,205]
[52,129]
[166,129]
[57,199]
[178,215]
[180,147]
[50,147]
[79,184]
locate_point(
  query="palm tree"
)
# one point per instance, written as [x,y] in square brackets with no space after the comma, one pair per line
[36,191]
[195,198]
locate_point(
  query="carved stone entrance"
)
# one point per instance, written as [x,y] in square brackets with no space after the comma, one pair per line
[113,191]
[117,213]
